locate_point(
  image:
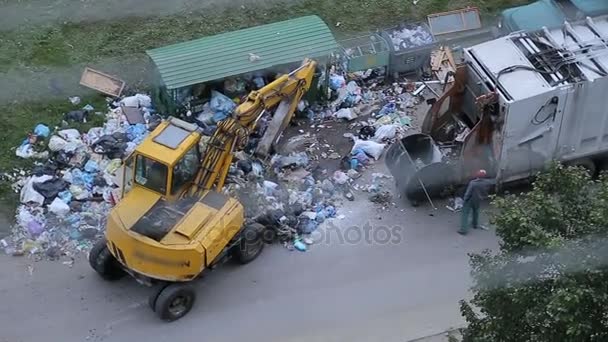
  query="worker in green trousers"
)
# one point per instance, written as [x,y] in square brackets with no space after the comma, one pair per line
[477,190]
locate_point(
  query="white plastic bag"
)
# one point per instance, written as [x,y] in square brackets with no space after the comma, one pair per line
[57,143]
[385,132]
[69,134]
[371,148]
[28,194]
[58,207]
[25,151]
[340,177]
[346,113]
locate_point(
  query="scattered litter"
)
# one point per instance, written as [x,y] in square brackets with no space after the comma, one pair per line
[340,178]
[367,132]
[74,100]
[299,245]
[253,57]
[383,198]
[457,204]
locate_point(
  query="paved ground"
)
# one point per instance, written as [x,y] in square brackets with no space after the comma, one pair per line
[335,292]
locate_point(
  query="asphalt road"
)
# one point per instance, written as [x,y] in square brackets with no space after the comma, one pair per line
[337,291]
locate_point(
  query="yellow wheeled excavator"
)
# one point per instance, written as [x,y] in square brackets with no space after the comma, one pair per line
[173,222]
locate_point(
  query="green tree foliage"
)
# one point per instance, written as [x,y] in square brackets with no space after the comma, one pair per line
[549,279]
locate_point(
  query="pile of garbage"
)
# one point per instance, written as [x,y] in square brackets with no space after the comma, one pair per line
[409,36]
[66,196]
[289,196]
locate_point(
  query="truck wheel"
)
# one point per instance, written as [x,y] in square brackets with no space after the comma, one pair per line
[104,263]
[174,302]
[156,290]
[251,244]
[586,164]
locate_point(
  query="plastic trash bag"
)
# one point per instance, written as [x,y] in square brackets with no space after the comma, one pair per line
[65,196]
[340,177]
[137,100]
[29,194]
[360,156]
[367,132]
[91,166]
[299,245]
[293,160]
[59,207]
[79,192]
[144,100]
[270,188]
[259,82]
[336,81]
[346,113]
[385,132]
[136,132]
[388,108]
[76,115]
[69,134]
[371,148]
[221,105]
[56,143]
[42,131]
[25,151]
[50,188]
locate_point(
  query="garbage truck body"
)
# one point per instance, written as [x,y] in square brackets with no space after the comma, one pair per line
[174,222]
[518,102]
[549,13]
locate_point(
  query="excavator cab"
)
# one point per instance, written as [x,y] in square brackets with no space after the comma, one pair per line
[167,163]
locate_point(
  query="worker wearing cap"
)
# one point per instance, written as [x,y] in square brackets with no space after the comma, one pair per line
[477,190]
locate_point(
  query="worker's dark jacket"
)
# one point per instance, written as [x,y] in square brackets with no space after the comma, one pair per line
[478,189]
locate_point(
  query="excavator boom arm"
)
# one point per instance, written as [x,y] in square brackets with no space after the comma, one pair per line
[232,133]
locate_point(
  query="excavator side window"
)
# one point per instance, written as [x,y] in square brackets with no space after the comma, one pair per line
[127,176]
[151,174]
[185,170]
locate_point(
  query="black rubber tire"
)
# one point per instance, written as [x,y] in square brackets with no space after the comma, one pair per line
[587,164]
[156,290]
[104,263]
[174,301]
[251,244]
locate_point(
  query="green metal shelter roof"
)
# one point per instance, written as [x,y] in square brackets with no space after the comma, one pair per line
[228,54]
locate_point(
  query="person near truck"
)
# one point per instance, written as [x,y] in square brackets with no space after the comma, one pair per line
[477,190]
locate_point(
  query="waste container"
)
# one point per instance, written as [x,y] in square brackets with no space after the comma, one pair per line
[365,52]
[411,45]
[417,159]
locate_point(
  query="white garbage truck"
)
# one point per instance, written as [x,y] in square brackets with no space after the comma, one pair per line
[517,103]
